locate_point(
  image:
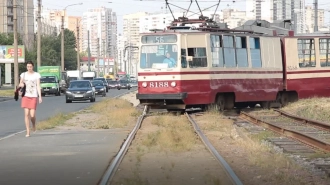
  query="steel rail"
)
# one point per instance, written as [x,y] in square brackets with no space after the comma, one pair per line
[215,153]
[110,172]
[306,121]
[309,140]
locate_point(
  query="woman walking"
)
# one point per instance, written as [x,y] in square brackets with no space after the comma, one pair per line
[31,80]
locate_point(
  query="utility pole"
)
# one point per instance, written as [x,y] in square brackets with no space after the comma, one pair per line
[78,49]
[316,9]
[89,53]
[98,57]
[15,45]
[39,35]
[62,42]
[104,57]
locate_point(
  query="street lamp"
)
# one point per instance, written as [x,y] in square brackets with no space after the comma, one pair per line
[62,35]
[78,44]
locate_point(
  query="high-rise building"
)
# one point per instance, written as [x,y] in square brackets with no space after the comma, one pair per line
[25,20]
[309,10]
[48,26]
[291,9]
[101,23]
[131,30]
[256,10]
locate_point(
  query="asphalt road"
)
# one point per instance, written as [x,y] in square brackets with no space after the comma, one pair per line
[12,115]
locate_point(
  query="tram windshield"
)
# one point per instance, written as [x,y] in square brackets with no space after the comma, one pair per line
[160,56]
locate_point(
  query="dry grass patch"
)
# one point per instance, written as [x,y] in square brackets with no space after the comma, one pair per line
[7,92]
[113,113]
[313,108]
[257,159]
[57,120]
[174,133]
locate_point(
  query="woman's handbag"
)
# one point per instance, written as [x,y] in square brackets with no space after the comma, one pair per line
[20,90]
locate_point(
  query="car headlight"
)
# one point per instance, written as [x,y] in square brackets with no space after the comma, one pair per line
[53,87]
[89,91]
[102,89]
[144,84]
[68,92]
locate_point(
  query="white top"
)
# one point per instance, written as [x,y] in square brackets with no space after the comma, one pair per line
[30,81]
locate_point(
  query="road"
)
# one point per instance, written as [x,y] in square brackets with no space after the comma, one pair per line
[12,115]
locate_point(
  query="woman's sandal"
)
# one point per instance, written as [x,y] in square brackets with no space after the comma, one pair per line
[27,135]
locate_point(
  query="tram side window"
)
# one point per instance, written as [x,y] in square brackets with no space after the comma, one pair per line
[241,52]
[216,50]
[325,52]
[199,57]
[255,52]
[229,51]
[306,53]
[183,58]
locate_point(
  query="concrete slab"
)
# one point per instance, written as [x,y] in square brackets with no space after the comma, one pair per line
[66,157]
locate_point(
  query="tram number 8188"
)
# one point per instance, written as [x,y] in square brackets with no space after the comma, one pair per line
[158,84]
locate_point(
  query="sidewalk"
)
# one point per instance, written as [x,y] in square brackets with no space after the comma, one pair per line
[59,156]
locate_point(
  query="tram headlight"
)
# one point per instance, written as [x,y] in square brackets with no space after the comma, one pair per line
[173,84]
[144,84]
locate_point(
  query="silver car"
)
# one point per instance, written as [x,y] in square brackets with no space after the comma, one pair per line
[80,90]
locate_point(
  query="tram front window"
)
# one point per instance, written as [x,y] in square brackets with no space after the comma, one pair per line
[159,56]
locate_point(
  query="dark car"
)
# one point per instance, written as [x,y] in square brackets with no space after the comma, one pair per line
[99,87]
[80,90]
[105,82]
[123,84]
[112,84]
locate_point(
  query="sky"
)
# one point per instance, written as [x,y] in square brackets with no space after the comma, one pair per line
[123,7]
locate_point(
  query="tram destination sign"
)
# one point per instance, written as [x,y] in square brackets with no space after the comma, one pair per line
[151,39]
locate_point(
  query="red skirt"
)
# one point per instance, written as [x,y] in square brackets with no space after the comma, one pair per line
[29,102]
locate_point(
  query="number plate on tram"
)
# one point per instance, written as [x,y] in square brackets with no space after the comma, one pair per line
[158,84]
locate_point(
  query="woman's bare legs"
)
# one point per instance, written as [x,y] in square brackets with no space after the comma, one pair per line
[33,119]
[27,120]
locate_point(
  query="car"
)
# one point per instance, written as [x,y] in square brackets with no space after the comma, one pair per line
[80,90]
[105,82]
[112,84]
[133,83]
[99,87]
[123,84]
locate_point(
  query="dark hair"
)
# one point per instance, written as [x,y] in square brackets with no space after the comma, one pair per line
[29,62]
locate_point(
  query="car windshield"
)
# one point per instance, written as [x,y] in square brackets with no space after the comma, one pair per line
[112,82]
[133,81]
[77,84]
[97,83]
[47,79]
[123,81]
[103,80]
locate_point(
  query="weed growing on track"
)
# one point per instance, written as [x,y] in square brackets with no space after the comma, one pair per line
[175,134]
[312,108]
[273,167]
[57,120]
[113,113]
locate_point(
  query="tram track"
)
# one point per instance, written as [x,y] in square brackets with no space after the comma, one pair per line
[115,163]
[303,137]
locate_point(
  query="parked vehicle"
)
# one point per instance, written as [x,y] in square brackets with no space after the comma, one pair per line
[99,87]
[105,82]
[80,90]
[123,84]
[50,80]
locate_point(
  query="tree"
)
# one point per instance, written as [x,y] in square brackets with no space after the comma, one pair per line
[70,53]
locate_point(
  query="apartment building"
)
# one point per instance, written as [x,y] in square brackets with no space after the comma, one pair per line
[309,10]
[101,25]
[131,30]
[25,20]
[120,52]
[255,10]
[48,27]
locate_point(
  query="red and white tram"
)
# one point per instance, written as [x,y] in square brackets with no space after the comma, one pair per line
[182,68]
